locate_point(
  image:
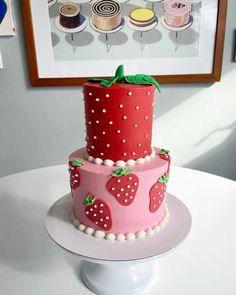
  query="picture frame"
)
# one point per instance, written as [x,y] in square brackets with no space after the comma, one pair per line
[46,70]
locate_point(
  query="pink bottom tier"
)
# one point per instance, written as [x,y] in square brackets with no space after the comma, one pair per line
[125,218]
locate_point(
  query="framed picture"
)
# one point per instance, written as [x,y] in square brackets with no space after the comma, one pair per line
[175,41]
[6,20]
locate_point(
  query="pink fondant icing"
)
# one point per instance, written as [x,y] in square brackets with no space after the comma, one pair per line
[125,219]
[177,13]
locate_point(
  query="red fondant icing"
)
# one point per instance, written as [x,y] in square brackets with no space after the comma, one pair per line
[118,120]
[165,155]
[74,176]
[123,188]
[99,213]
[157,195]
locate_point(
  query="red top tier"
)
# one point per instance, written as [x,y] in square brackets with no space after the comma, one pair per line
[118,120]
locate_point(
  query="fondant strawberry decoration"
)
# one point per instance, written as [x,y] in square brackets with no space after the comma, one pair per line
[157,193]
[98,212]
[165,155]
[123,185]
[74,170]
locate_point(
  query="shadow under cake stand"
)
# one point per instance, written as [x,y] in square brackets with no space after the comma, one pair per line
[108,32]
[142,29]
[177,30]
[72,31]
[125,267]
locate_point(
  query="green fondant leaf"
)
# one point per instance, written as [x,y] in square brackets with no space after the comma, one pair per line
[120,73]
[95,79]
[89,200]
[108,82]
[142,79]
[77,163]
[163,152]
[163,179]
[121,171]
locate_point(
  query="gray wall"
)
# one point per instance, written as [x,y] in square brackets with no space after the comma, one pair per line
[41,126]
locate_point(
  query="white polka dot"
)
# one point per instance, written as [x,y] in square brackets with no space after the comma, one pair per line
[124,154]
[107,95]
[104,110]
[135,183]
[121,106]
[108,145]
[101,154]
[89,122]
[145,152]
[129,93]
[92,147]
[148,93]
[139,144]
[97,121]
[146,117]
[105,225]
[124,117]
[125,200]
[135,125]
[110,122]
[123,140]
[122,189]
[130,177]
[118,195]
[87,212]
[101,211]
[94,214]
[92,111]
[133,153]
[90,94]
[131,197]
[137,107]
[101,205]
[132,190]
[118,180]
[95,206]
[126,194]
[101,219]
[97,99]
[103,132]
[107,217]
[95,137]
[128,186]
[112,188]
[146,135]
[91,209]
[118,131]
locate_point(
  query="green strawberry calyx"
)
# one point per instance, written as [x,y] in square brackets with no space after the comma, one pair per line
[77,163]
[89,200]
[163,179]
[163,152]
[121,172]
[131,79]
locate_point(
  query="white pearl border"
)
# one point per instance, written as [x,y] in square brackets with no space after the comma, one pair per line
[120,163]
[120,237]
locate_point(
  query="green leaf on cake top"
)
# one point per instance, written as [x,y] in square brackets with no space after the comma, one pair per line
[131,79]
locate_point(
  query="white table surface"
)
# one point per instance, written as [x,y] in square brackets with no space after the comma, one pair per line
[30,263]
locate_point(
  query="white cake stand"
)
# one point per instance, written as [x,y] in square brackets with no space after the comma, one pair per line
[115,267]
[177,29]
[108,32]
[142,29]
[72,31]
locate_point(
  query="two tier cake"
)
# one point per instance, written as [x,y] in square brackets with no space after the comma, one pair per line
[118,181]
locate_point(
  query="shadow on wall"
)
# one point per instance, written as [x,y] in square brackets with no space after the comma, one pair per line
[221,159]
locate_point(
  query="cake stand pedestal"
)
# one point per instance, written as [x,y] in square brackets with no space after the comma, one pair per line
[142,30]
[177,30]
[118,267]
[108,46]
[80,28]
